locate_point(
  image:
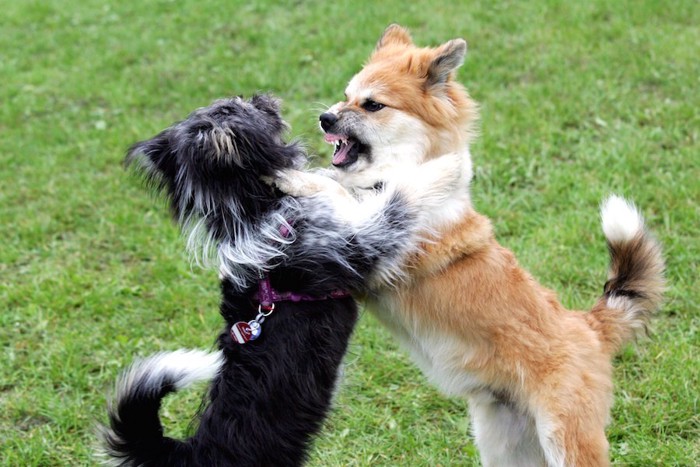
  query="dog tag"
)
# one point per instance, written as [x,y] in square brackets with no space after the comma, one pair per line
[242,332]
[255,329]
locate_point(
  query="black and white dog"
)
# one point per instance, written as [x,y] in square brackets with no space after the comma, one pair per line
[287,264]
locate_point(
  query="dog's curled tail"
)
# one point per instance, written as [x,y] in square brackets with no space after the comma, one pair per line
[135,435]
[635,283]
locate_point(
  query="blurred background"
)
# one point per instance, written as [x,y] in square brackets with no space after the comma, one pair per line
[578,99]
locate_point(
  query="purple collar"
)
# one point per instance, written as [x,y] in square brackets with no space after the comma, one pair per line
[267,296]
[242,331]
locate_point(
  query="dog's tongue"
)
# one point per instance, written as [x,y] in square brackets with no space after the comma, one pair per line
[340,157]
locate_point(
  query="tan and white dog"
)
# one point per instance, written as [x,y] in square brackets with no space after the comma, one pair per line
[538,377]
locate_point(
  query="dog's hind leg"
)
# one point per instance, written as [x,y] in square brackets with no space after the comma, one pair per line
[571,429]
[564,443]
[504,435]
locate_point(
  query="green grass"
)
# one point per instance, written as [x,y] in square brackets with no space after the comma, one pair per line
[578,99]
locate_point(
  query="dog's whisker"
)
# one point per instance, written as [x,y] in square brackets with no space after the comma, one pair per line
[320,107]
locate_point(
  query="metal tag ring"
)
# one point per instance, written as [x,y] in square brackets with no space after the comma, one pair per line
[260,308]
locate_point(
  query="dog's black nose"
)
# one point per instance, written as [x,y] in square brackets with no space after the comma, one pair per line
[327,119]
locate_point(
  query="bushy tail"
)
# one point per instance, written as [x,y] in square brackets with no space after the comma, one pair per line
[635,283]
[135,435]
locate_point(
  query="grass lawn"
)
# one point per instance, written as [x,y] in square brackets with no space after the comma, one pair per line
[578,99]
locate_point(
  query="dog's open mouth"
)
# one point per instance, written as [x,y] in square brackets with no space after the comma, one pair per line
[347,149]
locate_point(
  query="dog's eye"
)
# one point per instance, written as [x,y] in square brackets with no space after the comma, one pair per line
[372,106]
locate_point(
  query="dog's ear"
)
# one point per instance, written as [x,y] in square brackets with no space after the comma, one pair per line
[153,158]
[449,57]
[394,34]
[267,103]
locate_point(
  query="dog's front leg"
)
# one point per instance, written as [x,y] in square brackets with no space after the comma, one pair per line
[325,172]
[307,184]
[297,183]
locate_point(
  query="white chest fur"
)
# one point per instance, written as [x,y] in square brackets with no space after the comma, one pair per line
[444,359]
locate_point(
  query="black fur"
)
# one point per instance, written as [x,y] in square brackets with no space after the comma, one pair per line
[270,395]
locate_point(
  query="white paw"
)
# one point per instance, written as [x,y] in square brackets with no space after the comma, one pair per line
[294,183]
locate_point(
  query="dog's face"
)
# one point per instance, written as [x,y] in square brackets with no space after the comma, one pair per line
[218,155]
[402,108]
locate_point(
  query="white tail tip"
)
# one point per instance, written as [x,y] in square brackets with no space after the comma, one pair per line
[185,367]
[621,219]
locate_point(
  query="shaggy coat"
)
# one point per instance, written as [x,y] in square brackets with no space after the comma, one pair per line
[268,396]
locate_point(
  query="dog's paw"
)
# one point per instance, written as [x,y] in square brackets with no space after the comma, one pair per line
[293,183]
[326,172]
[306,184]
[298,183]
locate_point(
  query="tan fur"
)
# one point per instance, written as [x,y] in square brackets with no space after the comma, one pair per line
[528,347]
[538,377]
[397,72]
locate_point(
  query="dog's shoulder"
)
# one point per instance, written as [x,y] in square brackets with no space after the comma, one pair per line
[472,234]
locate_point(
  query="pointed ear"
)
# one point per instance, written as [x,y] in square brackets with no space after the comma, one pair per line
[450,56]
[394,34]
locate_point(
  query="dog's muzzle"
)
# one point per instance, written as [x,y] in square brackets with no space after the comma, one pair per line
[347,147]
